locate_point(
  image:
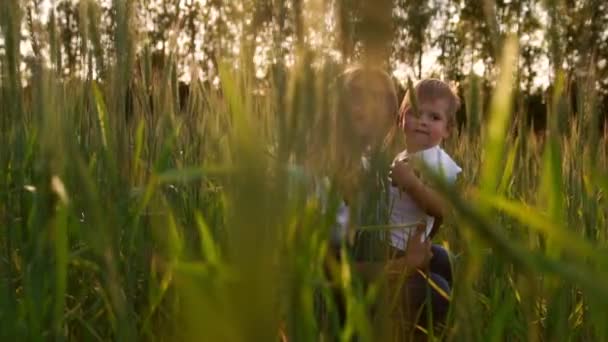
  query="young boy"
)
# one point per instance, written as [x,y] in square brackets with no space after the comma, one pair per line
[425,128]
[413,202]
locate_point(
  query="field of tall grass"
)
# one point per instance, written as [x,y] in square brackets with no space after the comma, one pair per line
[130,213]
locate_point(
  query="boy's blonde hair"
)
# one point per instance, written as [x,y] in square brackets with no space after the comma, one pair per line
[431,89]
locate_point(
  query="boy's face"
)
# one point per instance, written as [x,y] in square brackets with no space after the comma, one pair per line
[429,128]
[369,112]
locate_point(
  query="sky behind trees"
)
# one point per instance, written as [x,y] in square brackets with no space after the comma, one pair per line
[440,38]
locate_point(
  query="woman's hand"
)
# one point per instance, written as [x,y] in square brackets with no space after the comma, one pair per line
[417,254]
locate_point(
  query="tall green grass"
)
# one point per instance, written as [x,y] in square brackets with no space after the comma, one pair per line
[197,221]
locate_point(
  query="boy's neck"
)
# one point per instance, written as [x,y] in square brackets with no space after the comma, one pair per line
[410,148]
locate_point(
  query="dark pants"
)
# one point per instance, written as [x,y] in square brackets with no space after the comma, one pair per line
[440,264]
[417,294]
[420,295]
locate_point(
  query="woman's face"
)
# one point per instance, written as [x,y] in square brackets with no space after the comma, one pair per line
[370,114]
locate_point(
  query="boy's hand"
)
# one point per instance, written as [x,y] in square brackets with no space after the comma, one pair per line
[403,174]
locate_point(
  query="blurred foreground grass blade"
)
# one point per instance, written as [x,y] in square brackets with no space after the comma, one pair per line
[543,224]
[552,189]
[102,114]
[103,220]
[181,176]
[507,177]
[498,125]
[208,247]
[552,182]
[10,25]
[61,248]
[473,106]
[528,261]
[253,219]
[10,109]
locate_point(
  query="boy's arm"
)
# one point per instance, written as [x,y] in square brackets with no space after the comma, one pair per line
[435,229]
[425,197]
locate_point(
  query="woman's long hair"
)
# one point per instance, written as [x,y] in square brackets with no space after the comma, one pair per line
[346,152]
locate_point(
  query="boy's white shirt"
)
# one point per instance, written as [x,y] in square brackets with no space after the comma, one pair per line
[404,210]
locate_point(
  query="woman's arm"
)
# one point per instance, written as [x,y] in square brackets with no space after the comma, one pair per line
[425,197]
[417,256]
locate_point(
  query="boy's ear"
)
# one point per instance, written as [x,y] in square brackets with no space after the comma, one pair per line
[446,133]
[451,125]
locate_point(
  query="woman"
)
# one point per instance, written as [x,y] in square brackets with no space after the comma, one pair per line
[366,141]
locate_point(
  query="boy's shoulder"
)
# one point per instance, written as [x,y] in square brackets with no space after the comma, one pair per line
[440,161]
